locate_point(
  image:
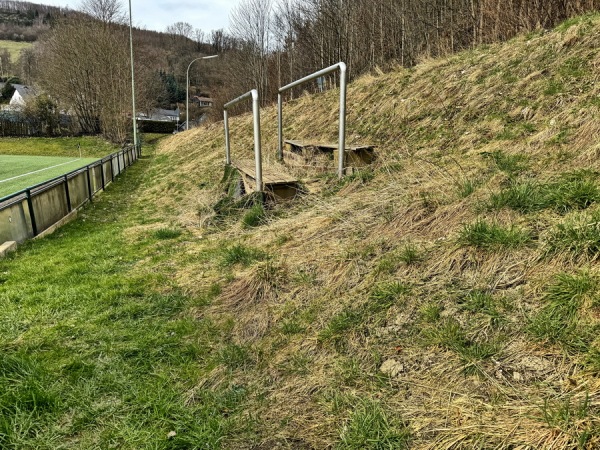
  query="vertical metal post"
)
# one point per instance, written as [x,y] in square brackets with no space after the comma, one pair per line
[227,145]
[102,173]
[133,119]
[257,143]
[342,131]
[31,213]
[69,207]
[112,169]
[89,183]
[279,127]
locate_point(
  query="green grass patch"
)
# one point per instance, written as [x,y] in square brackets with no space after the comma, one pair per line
[575,190]
[449,334]
[560,319]
[254,217]
[16,171]
[578,235]
[507,163]
[371,426]
[167,233]
[14,48]
[90,146]
[242,255]
[491,236]
[384,295]
[97,346]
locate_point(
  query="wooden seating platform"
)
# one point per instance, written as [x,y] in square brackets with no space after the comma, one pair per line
[323,157]
[276,183]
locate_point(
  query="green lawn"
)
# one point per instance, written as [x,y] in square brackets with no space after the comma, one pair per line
[98,350]
[14,48]
[91,146]
[22,155]
[18,172]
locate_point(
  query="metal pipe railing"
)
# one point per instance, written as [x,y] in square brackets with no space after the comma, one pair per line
[342,123]
[253,94]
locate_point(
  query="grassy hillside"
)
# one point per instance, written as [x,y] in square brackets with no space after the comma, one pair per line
[14,48]
[449,297]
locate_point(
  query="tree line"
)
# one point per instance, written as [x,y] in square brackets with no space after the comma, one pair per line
[82,62]
[273,42]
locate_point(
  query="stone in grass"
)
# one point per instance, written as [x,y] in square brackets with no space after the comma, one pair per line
[171,434]
[392,368]
[7,248]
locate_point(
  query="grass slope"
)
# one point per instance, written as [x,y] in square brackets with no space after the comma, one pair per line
[47,167]
[446,298]
[14,48]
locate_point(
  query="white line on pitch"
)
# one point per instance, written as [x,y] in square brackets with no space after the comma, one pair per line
[41,170]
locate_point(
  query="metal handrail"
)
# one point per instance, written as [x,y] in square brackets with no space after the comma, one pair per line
[253,94]
[342,125]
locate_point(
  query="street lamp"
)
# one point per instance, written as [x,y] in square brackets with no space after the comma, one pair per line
[187,90]
[135,140]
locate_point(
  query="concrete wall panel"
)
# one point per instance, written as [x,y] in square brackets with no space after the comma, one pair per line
[15,224]
[50,206]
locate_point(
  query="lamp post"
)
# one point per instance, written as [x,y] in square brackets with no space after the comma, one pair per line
[135,140]
[187,90]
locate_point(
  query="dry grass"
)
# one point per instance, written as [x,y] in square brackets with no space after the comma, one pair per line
[449,133]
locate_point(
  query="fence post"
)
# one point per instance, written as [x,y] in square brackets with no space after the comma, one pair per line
[31,213]
[89,183]
[69,207]
[102,173]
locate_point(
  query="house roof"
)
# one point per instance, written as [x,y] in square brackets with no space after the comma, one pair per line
[25,91]
[203,99]
[160,114]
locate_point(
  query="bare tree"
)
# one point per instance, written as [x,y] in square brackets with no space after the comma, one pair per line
[86,68]
[251,26]
[106,11]
[181,30]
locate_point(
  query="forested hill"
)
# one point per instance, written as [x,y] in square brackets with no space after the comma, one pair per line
[24,21]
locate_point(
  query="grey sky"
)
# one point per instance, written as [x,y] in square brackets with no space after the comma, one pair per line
[158,14]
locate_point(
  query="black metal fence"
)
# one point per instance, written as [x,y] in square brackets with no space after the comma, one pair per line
[27,213]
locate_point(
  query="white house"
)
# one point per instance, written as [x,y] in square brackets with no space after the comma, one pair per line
[21,95]
[203,101]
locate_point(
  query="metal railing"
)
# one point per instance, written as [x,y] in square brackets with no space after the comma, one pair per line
[253,94]
[27,213]
[342,123]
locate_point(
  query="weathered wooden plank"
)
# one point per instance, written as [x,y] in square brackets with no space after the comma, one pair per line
[326,146]
[269,175]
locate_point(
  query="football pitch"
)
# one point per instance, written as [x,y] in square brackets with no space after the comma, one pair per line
[18,172]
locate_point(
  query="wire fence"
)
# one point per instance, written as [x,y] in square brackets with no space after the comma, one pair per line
[29,212]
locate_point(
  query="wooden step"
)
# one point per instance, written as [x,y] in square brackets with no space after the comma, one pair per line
[275,182]
[324,156]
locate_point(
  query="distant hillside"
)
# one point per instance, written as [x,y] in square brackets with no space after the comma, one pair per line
[24,21]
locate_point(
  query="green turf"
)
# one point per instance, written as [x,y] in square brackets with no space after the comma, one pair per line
[19,166]
[91,146]
[98,352]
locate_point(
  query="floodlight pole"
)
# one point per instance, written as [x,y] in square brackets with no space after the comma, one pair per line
[135,139]
[187,90]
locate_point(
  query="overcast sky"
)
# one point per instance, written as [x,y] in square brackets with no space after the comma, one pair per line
[157,14]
